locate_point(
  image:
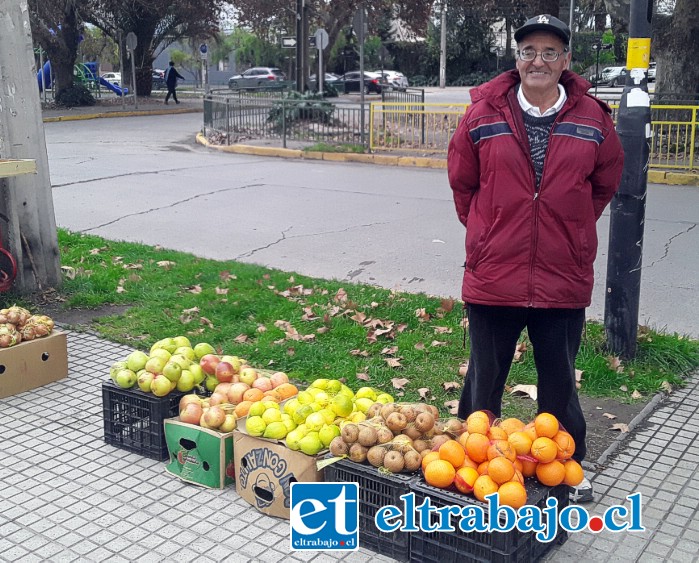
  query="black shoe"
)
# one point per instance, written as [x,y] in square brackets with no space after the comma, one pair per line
[165,102]
[582,493]
[177,102]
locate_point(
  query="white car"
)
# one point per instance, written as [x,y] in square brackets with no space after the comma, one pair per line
[113,77]
[393,78]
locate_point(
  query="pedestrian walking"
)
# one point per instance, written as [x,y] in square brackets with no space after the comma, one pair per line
[532,165]
[171,76]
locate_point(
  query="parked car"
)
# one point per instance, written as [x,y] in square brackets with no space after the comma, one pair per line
[352,81]
[327,77]
[393,78]
[613,76]
[113,77]
[258,77]
[158,77]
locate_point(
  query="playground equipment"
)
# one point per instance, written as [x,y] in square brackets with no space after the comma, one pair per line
[85,73]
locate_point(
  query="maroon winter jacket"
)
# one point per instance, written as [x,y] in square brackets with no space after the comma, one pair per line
[525,249]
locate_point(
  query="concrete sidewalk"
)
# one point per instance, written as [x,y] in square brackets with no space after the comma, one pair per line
[67,496]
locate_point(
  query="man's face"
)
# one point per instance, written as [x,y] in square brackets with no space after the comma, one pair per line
[538,76]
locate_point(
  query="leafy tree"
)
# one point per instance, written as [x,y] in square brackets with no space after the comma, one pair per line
[96,46]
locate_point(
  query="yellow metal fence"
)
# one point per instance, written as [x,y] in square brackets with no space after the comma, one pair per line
[417,127]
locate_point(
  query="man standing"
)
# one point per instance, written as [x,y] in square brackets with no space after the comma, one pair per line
[532,165]
[171,76]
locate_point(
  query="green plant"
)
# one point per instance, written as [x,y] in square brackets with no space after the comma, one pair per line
[76,95]
[325,147]
[296,106]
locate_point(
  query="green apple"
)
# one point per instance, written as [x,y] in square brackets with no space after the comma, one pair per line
[172,371]
[235,361]
[341,405]
[155,365]
[198,373]
[182,342]
[315,421]
[327,433]
[160,353]
[202,349]
[364,403]
[365,393]
[248,375]
[136,360]
[186,381]
[187,352]
[384,398]
[310,444]
[144,379]
[125,378]
[210,383]
[116,368]
[182,360]
[160,386]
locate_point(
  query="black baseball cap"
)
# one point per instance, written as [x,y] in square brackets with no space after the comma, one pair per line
[544,22]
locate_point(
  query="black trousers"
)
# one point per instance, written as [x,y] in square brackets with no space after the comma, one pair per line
[555,335]
[171,92]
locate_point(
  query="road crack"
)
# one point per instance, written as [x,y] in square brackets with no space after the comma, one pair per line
[668,243]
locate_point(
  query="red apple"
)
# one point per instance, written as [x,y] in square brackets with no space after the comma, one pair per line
[224,372]
[247,375]
[278,378]
[235,392]
[208,363]
[214,417]
[191,398]
[262,383]
[191,414]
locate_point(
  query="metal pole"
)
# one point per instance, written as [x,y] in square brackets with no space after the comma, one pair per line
[629,204]
[596,48]
[361,68]
[121,71]
[133,79]
[299,45]
[570,26]
[443,48]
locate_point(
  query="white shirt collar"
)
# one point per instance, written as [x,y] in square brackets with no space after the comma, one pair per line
[534,110]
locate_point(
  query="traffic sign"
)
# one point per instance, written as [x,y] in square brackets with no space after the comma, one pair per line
[322,39]
[131,40]
[288,42]
[204,51]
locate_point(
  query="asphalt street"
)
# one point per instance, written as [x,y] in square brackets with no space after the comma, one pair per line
[143,179]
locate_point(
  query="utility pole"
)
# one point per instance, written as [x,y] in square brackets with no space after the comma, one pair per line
[628,206]
[27,219]
[301,45]
[443,47]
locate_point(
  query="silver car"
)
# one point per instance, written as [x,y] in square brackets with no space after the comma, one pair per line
[258,77]
[393,79]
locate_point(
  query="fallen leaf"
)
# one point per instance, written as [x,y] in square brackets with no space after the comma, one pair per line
[420,346]
[450,385]
[340,296]
[390,350]
[442,330]
[463,368]
[447,305]
[95,251]
[69,272]
[167,264]
[261,328]
[422,314]
[614,364]
[133,266]
[221,291]
[226,275]
[636,394]
[290,351]
[394,363]
[666,386]
[401,327]
[528,390]
[453,406]
[323,330]
[309,315]
[620,426]
[188,315]
[623,388]
[120,289]
[578,375]
[195,289]
[374,305]
[399,382]
[520,349]
[362,376]
[424,392]
[436,343]
[207,322]
[609,415]
[241,338]
[358,352]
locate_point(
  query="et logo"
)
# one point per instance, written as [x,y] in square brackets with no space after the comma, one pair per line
[324,516]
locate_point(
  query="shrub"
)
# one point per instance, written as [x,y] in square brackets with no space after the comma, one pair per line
[76,95]
[309,106]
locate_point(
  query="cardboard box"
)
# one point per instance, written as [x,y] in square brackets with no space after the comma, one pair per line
[199,455]
[33,363]
[264,471]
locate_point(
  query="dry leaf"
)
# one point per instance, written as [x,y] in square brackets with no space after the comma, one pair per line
[442,330]
[188,315]
[290,351]
[636,394]
[241,338]
[309,315]
[666,386]
[620,426]
[195,289]
[624,388]
[340,296]
[447,305]
[120,289]
[393,363]
[399,382]
[401,327]
[323,330]
[420,346]
[578,375]
[226,275]
[133,266]
[463,369]
[436,343]
[374,305]
[261,328]
[96,251]
[422,314]
[362,376]
[520,349]
[609,415]
[614,364]
[221,291]
[69,272]
[359,317]
[528,390]
[424,392]
[207,322]
[358,352]
[390,350]
[453,406]
[450,385]
[167,264]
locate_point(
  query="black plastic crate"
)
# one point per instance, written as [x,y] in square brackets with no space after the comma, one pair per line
[133,420]
[375,491]
[495,547]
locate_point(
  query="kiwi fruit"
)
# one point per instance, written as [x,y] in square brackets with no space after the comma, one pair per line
[393,461]
[338,446]
[350,433]
[412,460]
[367,436]
[375,455]
[357,453]
[424,422]
[384,435]
[396,422]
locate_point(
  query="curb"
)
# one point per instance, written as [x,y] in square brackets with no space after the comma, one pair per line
[673,178]
[384,160]
[109,114]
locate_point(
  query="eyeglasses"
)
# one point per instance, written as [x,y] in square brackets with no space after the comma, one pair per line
[548,56]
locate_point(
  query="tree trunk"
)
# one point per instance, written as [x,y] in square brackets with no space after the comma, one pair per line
[537,7]
[26,203]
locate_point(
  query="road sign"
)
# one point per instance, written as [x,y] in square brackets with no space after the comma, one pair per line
[322,39]
[288,42]
[203,51]
[131,40]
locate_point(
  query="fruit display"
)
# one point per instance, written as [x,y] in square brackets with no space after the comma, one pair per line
[496,456]
[17,324]
[396,437]
[199,411]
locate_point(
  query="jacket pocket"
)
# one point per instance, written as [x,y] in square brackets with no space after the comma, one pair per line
[474,256]
[583,247]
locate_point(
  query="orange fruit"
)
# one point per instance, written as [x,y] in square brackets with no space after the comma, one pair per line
[529,467]
[242,408]
[518,477]
[483,468]
[497,433]
[429,458]
[465,479]
[253,394]
[574,473]
[546,425]
[521,442]
[478,423]
[511,425]
[468,462]
[483,487]
[530,430]
[501,448]
[512,494]
[544,449]
[477,447]
[565,443]
[462,439]
[551,474]
[518,464]
[287,390]
[501,470]
[273,395]
[440,473]
[453,452]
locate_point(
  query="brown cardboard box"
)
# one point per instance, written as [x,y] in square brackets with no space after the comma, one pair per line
[33,364]
[264,471]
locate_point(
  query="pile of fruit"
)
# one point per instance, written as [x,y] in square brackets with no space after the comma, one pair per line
[17,325]
[495,457]
[395,436]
